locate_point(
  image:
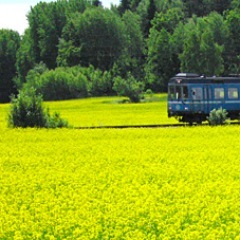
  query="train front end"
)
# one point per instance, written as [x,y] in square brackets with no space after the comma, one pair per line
[178,104]
[179,99]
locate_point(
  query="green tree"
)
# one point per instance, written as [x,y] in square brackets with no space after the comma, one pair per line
[204,7]
[232,44]
[25,58]
[210,54]
[221,5]
[164,5]
[46,21]
[132,59]
[74,6]
[215,22]
[95,37]
[151,10]
[162,60]
[201,52]
[124,6]
[9,45]
[135,4]
[159,63]
[141,10]
[235,4]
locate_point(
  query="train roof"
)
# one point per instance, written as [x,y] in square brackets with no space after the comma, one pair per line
[195,78]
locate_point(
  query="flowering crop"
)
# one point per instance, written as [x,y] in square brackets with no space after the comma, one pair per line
[175,183]
[106,111]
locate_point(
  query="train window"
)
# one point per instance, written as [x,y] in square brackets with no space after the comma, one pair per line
[233,93]
[219,93]
[185,92]
[178,92]
[171,92]
[197,93]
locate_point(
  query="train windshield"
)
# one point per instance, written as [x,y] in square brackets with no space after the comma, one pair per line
[171,93]
[177,92]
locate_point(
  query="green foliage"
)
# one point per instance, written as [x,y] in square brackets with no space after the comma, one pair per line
[134,50]
[217,116]
[162,58]
[204,7]
[151,39]
[129,88]
[124,6]
[232,44]
[149,92]
[9,45]
[100,83]
[201,51]
[70,83]
[151,11]
[27,111]
[25,58]
[58,84]
[95,37]
[46,21]
[55,121]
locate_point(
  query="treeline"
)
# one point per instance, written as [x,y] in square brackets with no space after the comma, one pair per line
[78,48]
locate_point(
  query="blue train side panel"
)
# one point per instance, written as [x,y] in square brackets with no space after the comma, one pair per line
[191,98]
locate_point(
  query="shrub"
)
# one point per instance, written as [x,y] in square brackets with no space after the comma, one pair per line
[27,111]
[149,92]
[70,83]
[217,116]
[55,121]
[100,83]
[129,88]
[58,84]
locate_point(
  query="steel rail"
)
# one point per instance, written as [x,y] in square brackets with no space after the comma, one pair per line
[134,126]
[149,126]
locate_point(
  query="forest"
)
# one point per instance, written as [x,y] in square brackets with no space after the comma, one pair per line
[78,48]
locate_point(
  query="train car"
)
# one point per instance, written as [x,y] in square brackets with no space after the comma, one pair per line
[192,97]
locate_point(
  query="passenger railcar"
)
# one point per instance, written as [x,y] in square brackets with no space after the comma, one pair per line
[192,97]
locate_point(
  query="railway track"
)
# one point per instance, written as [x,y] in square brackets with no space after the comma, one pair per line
[132,126]
[149,126]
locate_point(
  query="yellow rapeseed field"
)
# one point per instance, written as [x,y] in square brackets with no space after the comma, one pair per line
[105,111]
[171,183]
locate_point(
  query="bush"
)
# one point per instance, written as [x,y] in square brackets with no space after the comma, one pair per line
[27,111]
[129,88]
[217,116]
[100,83]
[55,121]
[59,84]
[70,83]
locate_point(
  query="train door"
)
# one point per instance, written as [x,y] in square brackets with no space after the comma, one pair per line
[207,98]
[197,99]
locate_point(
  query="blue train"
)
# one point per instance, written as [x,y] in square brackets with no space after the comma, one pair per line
[192,97]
